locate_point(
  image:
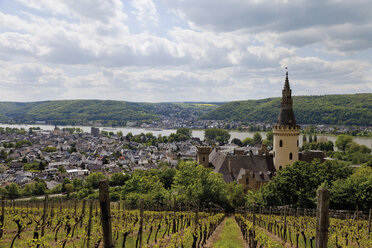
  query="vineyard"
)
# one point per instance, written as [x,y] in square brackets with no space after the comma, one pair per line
[298,229]
[92,223]
[78,224]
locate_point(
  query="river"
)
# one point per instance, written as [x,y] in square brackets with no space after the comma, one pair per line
[367,141]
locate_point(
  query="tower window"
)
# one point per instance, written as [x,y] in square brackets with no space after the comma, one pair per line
[280,167]
[290,156]
[281,143]
[297,143]
[247,180]
[203,159]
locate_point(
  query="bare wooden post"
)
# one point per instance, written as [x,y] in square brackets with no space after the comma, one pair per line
[2,217]
[322,219]
[44,215]
[254,215]
[369,221]
[82,214]
[89,222]
[104,200]
[75,207]
[141,224]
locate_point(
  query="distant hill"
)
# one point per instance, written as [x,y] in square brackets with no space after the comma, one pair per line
[353,109]
[73,112]
[329,109]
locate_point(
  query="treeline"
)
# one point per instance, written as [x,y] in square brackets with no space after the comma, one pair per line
[328,109]
[186,183]
[106,112]
[296,185]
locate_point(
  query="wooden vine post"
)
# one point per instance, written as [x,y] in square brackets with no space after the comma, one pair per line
[322,219]
[89,223]
[369,221]
[2,217]
[44,215]
[141,224]
[104,200]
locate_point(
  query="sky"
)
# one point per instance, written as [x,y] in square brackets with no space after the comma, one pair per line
[183,50]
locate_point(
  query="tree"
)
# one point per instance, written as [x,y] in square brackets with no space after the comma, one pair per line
[40,188]
[247,141]
[237,141]
[129,136]
[342,141]
[216,135]
[257,139]
[118,179]
[12,191]
[61,169]
[185,131]
[199,184]
[270,136]
[297,184]
[354,190]
[50,149]
[93,179]
[69,188]
[119,133]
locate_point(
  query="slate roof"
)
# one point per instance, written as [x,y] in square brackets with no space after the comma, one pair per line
[261,166]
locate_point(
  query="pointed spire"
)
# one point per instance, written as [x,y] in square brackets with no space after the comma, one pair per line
[286,115]
[286,83]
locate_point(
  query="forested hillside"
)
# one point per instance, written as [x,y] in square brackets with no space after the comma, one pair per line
[329,109]
[105,112]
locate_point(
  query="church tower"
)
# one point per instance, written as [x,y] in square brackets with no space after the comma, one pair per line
[286,132]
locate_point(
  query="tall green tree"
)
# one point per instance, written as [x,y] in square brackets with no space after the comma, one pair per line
[13,191]
[354,190]
[185,131]
[342,141]
[297,184]
[213,135]
[257,139]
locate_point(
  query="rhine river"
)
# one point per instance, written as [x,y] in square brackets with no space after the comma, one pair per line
[367,141]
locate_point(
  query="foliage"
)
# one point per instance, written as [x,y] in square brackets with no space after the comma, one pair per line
[118,179]
[237,141]
[12,191]
[185,131]
[296,184]
[354,190]
[248,142]
[342,141]
[93,179]
[323,146]
[328,109]
[216,135]
[257,139]
[50,149]
[34,166]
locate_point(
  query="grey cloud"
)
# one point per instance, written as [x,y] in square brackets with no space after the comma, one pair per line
[291,20]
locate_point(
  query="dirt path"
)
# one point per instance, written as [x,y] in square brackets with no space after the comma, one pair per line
[216,236]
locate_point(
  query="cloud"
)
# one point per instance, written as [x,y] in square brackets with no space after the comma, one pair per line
[220,51]
[146,12]
[297,23]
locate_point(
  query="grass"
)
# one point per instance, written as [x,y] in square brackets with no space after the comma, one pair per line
[230,235]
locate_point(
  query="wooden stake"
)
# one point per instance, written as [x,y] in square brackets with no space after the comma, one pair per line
[322,219]
[104,200]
